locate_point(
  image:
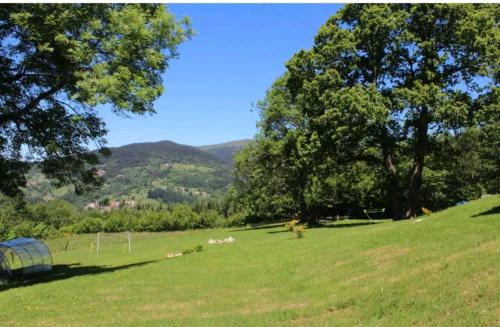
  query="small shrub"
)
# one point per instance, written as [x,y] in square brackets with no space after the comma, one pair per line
[24,229]
[117,222]
[88,225]
[43,231]
[67,230]
[155,221]
[236,219]
[426,211]
[4,231]
[184,217]
[211,218]
[299,231]
[291,225]
[196,248]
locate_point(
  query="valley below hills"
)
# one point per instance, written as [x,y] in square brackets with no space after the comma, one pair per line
[149,173]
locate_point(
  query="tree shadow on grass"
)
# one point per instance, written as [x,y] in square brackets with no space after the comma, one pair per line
[260,226]
[63,271]
[492,211]
[332,225]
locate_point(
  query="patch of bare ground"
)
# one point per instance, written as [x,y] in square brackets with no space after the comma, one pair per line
[50,323]
[169,306]
[491,246]
[488,277]
[320,320]
[186,310]
[327,269]
[384,256]
[261,291]
[269,307]
[340,263]
[357,278]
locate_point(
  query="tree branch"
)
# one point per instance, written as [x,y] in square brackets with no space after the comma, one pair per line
[9,116]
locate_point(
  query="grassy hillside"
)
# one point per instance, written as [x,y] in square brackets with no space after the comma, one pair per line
[439,271]
[225,151]
[163,170]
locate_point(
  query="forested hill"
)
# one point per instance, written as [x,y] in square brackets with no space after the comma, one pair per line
[152,153]
[225,151]
[164,171]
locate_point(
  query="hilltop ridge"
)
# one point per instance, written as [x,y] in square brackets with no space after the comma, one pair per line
[225,151]
[165,171]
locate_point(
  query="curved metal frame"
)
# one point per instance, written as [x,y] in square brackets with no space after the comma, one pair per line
[4,263]
[26,250]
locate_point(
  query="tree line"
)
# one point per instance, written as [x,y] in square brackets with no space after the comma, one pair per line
[394,106]
[57,218]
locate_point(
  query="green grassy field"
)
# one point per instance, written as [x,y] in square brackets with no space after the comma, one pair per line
[441,271]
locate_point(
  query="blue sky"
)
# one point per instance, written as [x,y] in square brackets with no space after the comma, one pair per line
[236,54]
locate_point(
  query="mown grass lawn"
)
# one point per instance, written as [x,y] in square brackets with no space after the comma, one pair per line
[441,271]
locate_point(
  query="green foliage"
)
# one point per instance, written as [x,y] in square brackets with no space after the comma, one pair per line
[153,221]
[55,213]
[24,229]
[43,231]
[354,120]
[196,248]
[118,221]
[264,180]
[30,229]
[50,219]
[236,219]
[299,231]
[4,230]
[211,218]
[291,225]
[58,63]
[184,217]
[88,225]
[168,196]
[163,171]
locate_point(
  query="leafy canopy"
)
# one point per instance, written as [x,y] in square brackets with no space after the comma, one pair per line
[360,110]
[57,63]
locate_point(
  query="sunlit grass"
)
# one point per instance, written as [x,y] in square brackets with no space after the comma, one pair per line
[439,271]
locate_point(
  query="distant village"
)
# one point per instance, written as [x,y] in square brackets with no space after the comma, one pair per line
[107,205]
[111,205]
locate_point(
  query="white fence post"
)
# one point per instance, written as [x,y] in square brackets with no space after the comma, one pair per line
[129,243]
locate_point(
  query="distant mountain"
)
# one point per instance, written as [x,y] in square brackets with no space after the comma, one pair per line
[152,153]
[225,151]
[164,171]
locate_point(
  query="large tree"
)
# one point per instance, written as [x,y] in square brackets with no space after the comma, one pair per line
[379,83]
[58,63]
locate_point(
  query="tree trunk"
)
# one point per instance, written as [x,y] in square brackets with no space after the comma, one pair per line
[413,202]
[392,187]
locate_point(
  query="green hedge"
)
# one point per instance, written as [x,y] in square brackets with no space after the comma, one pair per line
[52,219]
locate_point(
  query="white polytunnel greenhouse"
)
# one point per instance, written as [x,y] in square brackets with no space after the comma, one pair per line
[24,256]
